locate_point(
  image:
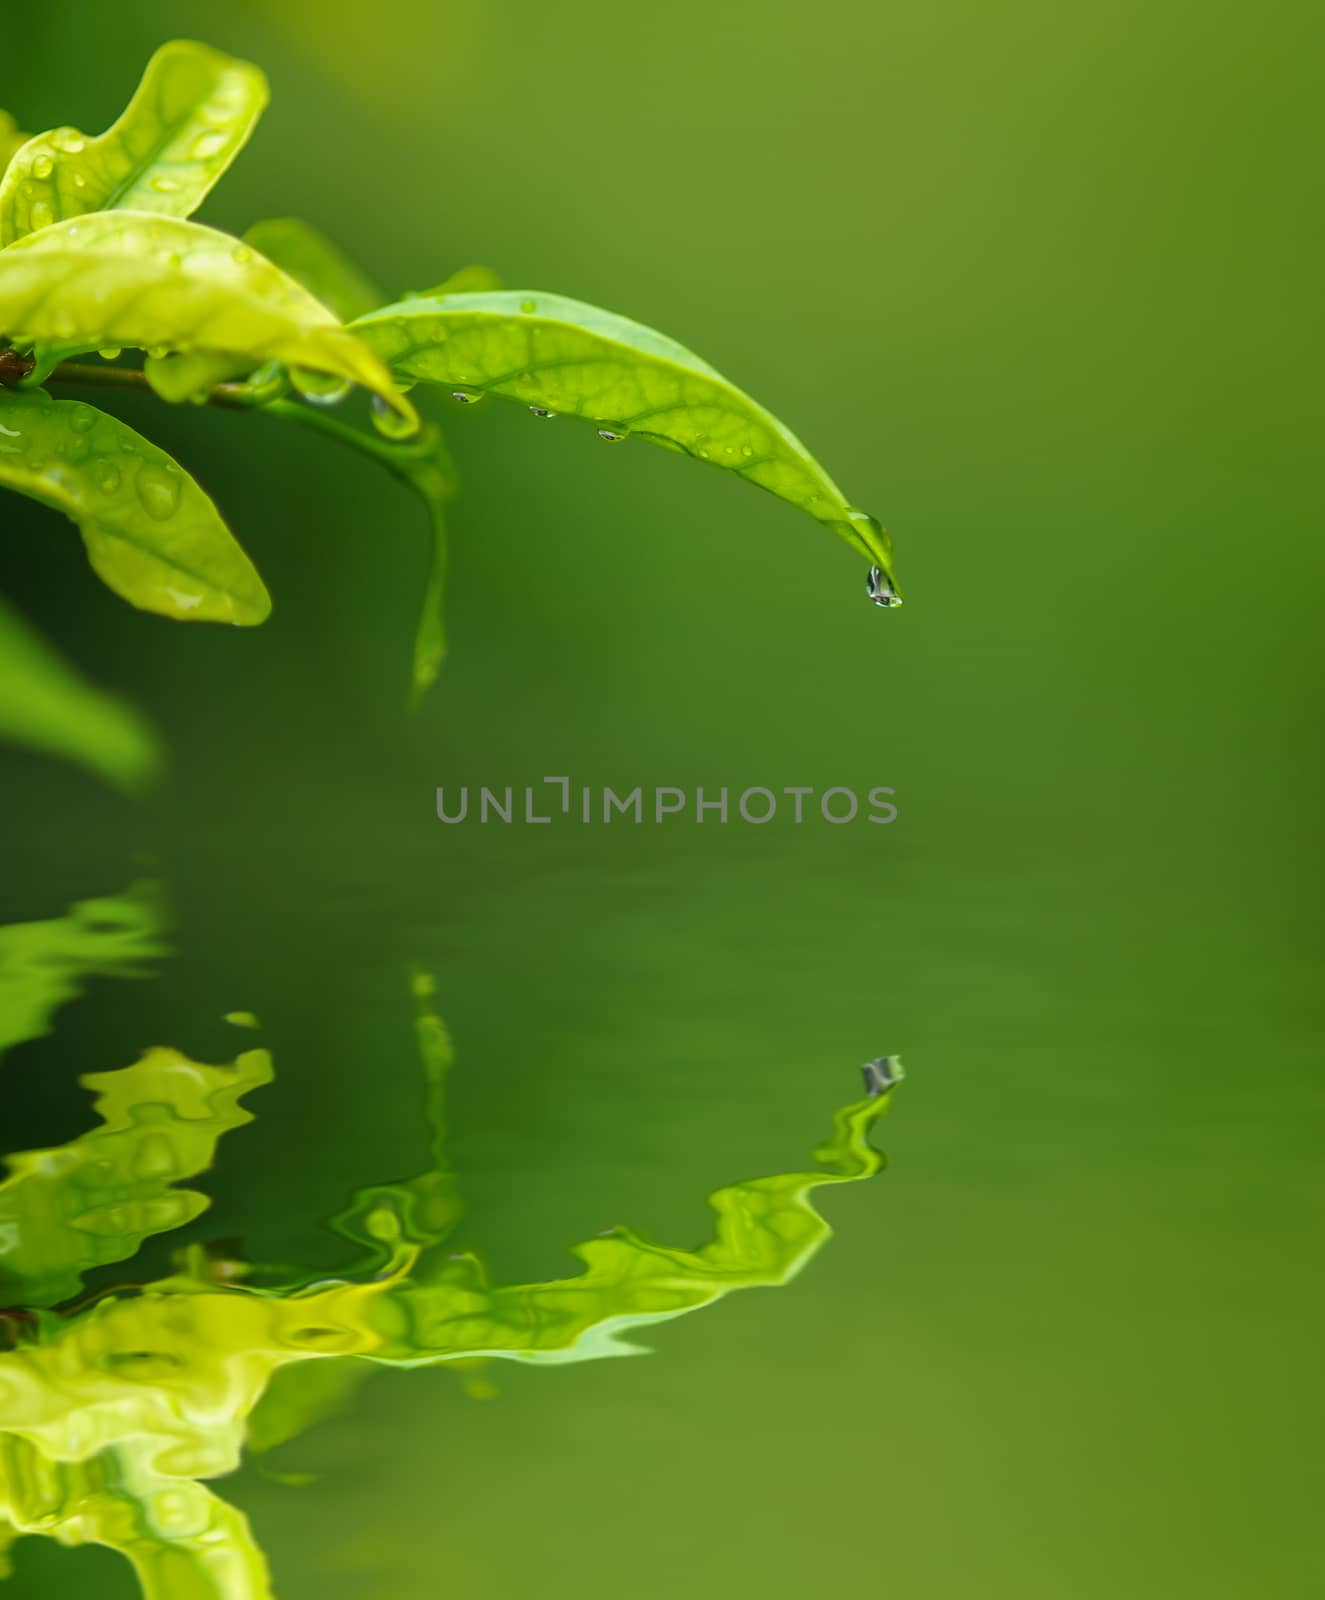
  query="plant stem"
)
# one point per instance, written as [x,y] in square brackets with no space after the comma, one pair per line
[230,396]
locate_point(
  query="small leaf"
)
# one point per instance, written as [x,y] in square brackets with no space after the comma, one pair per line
[561,356]
[189,118]
[42,964]
[311,259]
[151,533]
[467,280]
[96,1200]
[11,140]
[47,705]
[126,279]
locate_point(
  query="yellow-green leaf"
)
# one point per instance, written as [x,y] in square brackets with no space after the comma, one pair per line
[311,259]
[47,705]
[559,356]
[125,278]
[11,140]
[191,115]
[151,533]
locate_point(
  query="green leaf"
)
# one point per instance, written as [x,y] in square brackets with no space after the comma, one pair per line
[124,278]
[312,260]
[191,115]
[151,533]
[46,704]
[11,140]
[43,964]
[65,1211]
[557,355]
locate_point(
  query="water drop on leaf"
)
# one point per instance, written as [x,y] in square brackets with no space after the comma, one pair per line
[613,432]
[542,411]
[43,166]
[467,397]
[159,490]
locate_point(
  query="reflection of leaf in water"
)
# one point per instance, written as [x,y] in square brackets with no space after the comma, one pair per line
[42,964]
[65,1211]
[111,1417]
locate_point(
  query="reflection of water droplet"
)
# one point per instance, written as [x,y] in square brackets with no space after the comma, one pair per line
[43,166]
[207,145]
[158,490]
[467,397]
[613,432]
[528,306]
[110,352]
[389,421]
[164,185]
[878,590]
[542,411]
[82,418]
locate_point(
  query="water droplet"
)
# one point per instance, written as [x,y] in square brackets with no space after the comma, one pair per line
[108,481]
[42,215]
[878,590]
[241,255]
[320,388]
[110,352]
[542,411]
[83,418]
[467,397]
[80,182]
[68,140]
[158,352]
[159,489]
[164,185]
[528,306]
[43,166]
[613,432]
[207,145]
[747,449]
[389,422]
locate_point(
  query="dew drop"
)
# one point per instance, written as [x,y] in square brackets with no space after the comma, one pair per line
[159,489]
[110,352]
[320,389]
[528,306]
[542,411]
[878,590]
[82,419]
[389,422]
[158,352]
[207,145]
[241,255]
[164,185]
[613,432]
[747,449]
[68,140]
[43,166]
[467,397]
[80,182]
[108,481]
[42,215]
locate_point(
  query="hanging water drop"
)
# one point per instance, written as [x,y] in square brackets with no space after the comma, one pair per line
[467,397]
[43,166]
[877,588]
[613,432]
[542,411]
[389,422]
[110,352]
[319,388]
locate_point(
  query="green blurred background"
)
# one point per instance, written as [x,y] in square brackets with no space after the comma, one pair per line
[1036,283]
